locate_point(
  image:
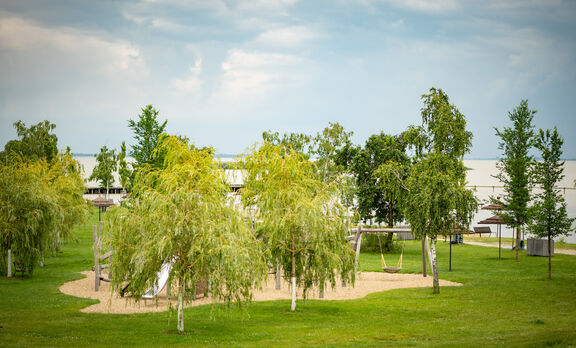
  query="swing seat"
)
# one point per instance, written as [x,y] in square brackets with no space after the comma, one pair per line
[391,269]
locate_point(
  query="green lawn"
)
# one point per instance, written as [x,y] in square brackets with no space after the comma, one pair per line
[502,302]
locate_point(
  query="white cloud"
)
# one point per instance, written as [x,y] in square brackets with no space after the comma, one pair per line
[427,6]
[24,37]
[257,73]
[191,84]
[288,36]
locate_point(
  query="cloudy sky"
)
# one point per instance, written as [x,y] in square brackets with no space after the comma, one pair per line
[224,71]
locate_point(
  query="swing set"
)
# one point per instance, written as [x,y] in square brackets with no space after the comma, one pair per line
[387,268]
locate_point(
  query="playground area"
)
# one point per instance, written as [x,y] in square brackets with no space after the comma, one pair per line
[367,282]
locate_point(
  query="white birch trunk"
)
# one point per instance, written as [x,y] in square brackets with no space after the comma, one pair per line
[9,274]
[278,276]
[358,245]
[180,312]
[433,261]
[293,307]
[428,251]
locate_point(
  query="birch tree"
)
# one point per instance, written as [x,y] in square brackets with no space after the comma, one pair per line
[549,217]
[182,216]
[437,200]
[299,219]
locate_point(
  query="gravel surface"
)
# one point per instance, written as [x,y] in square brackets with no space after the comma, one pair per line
[368,282]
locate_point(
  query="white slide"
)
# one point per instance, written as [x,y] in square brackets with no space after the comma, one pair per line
[161,280]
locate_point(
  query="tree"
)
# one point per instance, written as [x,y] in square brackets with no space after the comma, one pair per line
[516,168]
[35,143]
[182,217]
[105,167]
[147,131]
[549,211]
[126,174]
[379,168]
[298,142]
[437,200]
[302,224]
[41,194]
[326,145]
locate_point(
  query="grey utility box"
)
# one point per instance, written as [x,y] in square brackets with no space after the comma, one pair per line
[539,247]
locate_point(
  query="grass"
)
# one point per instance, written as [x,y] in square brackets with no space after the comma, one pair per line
[502,302]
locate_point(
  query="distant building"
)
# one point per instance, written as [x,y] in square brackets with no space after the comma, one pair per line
[234,177]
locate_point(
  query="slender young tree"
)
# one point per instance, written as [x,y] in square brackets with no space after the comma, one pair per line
[437,200]
[302,224]
[516,168]
[105,167]
[124,170]
[147,131]
[549,211]
[182,217]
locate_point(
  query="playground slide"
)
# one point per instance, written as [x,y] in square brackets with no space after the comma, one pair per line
[161,280]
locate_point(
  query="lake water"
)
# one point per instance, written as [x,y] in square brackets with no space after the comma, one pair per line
[480,175]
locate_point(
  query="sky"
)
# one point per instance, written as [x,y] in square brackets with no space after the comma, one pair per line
[223,71]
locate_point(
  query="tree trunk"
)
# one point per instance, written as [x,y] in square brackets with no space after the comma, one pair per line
[517,241]
[424,257]
[293,306]
[436,281]
[549,257]
[429,252]
[388,242]
[278,275]
[180,309]
[9,274]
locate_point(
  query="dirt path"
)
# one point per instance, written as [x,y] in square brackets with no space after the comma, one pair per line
[367,283]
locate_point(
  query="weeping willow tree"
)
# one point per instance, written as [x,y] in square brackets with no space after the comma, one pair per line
[41,202]
[299,219]
[181,216]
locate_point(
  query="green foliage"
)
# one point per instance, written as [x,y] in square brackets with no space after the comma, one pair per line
[549,218]
[437,199]
[298,142]
[124,171]
[181,215]
[516,165]
[299,219]
[147,131]
[34,143]
[106,164]
[379,169]
[41,202]
[326,145]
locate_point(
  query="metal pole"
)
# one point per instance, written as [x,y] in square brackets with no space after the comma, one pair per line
[499,241]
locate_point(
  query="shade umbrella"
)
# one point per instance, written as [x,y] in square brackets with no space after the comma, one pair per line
[101,202]
[495,220]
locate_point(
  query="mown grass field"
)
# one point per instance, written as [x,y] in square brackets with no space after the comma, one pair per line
[502,302]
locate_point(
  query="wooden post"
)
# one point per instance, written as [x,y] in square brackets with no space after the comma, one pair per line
[96,260]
